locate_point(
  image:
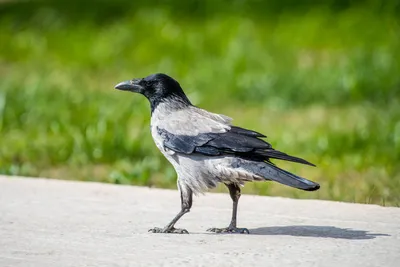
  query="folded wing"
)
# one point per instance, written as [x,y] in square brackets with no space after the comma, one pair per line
[234,141]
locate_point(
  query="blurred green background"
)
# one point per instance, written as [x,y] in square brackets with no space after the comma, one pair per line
[320,78]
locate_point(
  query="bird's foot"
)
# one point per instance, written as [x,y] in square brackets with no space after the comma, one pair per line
[229,230]
[171,230]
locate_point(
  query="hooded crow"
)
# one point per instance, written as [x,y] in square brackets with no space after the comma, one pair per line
[206,149]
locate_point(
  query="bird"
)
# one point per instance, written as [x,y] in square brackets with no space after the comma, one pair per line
[206,149]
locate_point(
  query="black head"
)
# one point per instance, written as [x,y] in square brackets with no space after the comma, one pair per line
[156,88]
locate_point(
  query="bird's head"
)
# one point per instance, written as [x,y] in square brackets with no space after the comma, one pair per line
[156,88]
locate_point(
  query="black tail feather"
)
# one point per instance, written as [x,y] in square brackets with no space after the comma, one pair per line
[271,172]
[290,179]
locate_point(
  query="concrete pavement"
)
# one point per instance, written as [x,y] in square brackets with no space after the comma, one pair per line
[62,223]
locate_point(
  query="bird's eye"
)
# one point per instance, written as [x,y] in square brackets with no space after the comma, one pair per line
[148,83]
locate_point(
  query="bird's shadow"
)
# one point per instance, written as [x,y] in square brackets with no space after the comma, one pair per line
[315,231]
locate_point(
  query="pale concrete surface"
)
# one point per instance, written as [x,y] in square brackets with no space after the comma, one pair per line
[59,223]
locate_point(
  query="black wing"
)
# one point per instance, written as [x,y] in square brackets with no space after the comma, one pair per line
[237,141]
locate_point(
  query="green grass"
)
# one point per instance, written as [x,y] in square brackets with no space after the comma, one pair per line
[321,85]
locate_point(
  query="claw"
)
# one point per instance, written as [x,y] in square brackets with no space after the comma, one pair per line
[180,231]
[155,230]
[168,231]
[229,230]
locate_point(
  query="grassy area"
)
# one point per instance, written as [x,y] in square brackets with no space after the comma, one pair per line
[321,84]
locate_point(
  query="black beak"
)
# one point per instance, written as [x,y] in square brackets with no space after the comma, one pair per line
[132,85]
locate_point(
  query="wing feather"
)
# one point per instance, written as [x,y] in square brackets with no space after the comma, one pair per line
[195,130]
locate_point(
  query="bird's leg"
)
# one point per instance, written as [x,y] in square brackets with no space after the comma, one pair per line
[234,191]
[186,204]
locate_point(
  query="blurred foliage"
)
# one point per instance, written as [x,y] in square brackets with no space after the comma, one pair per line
[321,79]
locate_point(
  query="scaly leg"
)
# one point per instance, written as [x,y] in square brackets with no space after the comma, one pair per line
[186,204]
[234,191]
